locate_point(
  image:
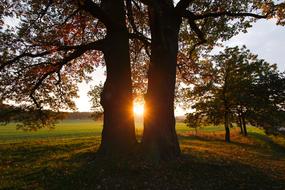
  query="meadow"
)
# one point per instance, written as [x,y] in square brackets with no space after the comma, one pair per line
[65,158]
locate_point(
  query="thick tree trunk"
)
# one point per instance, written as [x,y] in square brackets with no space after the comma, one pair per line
[118,135]
[244,125]
[227,129]
[159,137]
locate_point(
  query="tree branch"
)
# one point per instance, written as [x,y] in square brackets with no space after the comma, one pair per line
[225,13]
[182,5]
[57,67]
[4,64]
[96,11]
[131,15]
[97,45]
[140,37]
[191,19]
[136,35]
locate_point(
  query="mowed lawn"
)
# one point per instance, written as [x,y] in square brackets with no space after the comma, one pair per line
[65,158]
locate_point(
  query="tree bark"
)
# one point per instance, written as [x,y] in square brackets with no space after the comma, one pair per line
[118,135]
[240,124]
[159,137]
[227,129]
[244,125]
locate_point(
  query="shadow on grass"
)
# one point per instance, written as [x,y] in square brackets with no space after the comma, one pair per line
[187,172]
[277,148]
[82,168]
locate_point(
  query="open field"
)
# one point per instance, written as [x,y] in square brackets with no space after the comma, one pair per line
[65,158]
[76,128]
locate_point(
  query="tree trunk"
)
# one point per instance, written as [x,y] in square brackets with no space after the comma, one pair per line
[226,106]
[118,135]
[244,125]
[227,129]
[159,137]
[240,124]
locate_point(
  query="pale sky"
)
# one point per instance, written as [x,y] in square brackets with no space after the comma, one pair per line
[264,39]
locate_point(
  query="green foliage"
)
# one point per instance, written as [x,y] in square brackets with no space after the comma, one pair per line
[29,119]
[242,85]
[193,120]
[95,95]
[268,107]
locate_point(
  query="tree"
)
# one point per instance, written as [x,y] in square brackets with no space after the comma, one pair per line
[54,46]
[95,96]
[194,120]
[238,91]
[59,38]
[183,27]
[267,110]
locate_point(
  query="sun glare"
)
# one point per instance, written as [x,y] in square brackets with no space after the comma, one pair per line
[138,109]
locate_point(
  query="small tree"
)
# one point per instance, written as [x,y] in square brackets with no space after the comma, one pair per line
[193,120]
[241,88]
[95,95]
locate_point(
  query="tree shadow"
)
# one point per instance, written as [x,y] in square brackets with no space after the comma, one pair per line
[85,169]
[275,148]
[187,172]
[278,149]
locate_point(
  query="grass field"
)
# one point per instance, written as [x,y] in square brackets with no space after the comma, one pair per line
[65,158]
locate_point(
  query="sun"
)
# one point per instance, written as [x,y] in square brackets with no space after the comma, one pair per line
[138,109]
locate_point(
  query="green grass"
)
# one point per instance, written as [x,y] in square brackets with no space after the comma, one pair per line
[65,158]
[78,128]
[65,129]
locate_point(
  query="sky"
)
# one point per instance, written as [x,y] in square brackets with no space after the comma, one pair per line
[264,39]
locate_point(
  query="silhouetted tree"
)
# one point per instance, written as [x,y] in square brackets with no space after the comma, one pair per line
[177,29]
[95,98]
[236,88]
[55,45]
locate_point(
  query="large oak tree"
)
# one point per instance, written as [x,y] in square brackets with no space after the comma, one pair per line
[54,45]
[178,29]
[57,43]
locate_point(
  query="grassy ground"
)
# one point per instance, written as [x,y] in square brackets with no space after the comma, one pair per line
[66,158]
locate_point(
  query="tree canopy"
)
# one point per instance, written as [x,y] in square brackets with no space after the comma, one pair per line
[242,88]
[49,46]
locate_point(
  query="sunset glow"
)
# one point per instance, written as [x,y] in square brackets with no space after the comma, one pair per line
[138,108]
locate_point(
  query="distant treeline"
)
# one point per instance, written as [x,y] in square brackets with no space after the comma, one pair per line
[97,116]
[79,116]
[10,113]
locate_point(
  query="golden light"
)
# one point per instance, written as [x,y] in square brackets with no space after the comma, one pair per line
[138,108]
